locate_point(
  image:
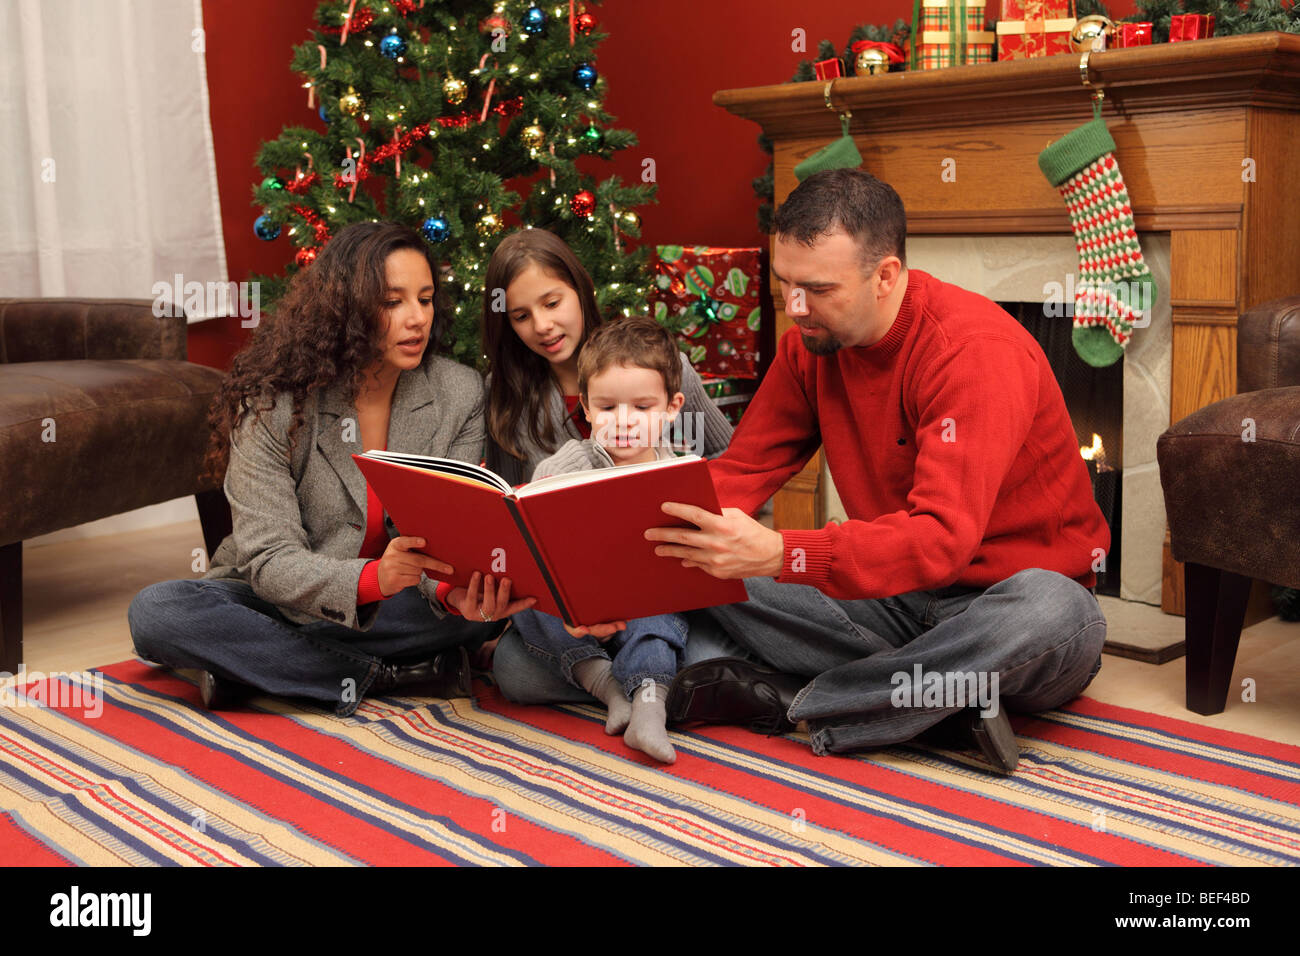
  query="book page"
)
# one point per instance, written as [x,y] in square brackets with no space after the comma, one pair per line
[596,474]
[450,467]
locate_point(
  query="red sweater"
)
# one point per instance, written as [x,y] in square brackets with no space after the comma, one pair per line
[948,441]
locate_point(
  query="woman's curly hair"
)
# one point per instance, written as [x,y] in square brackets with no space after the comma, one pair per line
[327,330]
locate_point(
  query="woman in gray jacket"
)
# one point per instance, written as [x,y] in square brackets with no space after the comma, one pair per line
[313,594]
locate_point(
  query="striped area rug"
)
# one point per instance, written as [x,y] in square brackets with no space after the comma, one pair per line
[154,780]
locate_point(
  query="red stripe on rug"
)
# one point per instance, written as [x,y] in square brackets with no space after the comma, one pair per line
[895,835]
[420,793]
[22,849]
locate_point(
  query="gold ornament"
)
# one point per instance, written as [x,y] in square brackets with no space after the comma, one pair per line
[533,136]
[1088,29]
[871,61]
[489,225]
[351,102]
[631,220]
[454,90]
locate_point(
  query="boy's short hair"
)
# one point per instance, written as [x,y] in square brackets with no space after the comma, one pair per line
[638,341]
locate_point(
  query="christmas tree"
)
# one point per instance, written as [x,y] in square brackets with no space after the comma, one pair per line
[429,109]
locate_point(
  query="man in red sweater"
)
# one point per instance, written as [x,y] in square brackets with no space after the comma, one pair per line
[962,579]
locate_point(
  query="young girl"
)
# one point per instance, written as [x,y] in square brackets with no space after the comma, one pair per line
[532,337]
[313,594]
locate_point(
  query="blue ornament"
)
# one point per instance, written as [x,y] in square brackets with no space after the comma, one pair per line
[392,46]
[534,20]
[585,76]
[321,113]
[265,228]
[435,229]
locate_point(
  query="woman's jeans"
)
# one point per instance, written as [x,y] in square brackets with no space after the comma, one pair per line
[649,649]
[221,625]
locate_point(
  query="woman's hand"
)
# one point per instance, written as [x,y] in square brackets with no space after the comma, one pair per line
[492,605]
[601,632]
[401,565]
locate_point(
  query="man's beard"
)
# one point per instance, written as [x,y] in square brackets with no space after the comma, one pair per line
[829,346]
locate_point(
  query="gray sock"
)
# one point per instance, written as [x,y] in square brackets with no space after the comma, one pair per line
[595,677]
[647,731]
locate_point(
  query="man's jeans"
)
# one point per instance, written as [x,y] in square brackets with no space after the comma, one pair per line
[1038,631]
[222,626]
[649,649]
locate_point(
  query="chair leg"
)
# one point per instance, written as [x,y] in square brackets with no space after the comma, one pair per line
[11,607]
[214,516]
[1216,606]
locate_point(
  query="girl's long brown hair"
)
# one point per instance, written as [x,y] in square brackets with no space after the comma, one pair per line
[521,379]
[327,329]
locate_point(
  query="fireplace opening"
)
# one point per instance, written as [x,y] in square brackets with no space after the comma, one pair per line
[1094,398]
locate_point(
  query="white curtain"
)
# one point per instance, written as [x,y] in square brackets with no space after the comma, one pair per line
[111,182]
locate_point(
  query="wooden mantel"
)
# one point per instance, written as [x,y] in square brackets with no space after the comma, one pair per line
[1191,122]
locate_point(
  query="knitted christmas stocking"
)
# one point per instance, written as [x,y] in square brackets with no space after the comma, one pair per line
[1115,288]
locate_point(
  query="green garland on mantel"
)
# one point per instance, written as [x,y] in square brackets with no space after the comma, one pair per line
[1230,19]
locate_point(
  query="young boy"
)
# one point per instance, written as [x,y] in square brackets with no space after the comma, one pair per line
[629,379]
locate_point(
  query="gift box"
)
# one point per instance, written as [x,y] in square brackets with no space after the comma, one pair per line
[1190,26]
[1131,34]
[1032,28]
[709,297]
[949,33]
[731,395]
[828,69]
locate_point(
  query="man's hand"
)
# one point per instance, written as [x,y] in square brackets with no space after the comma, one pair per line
[494,602]
[401,565]
[730,545]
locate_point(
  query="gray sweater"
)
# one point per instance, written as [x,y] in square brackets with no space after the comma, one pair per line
[584,455]
[708,432]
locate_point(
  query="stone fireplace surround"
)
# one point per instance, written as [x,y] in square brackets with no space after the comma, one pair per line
[1016,269]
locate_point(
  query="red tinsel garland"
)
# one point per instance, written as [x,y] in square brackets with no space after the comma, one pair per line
[314,219]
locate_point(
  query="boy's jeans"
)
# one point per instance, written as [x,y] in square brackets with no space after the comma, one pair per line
[650,648]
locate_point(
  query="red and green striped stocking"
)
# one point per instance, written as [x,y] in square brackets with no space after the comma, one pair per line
[1115,290]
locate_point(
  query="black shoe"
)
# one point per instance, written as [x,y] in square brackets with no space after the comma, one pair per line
[447,675]
[991,736]
[729,690]
[221,693]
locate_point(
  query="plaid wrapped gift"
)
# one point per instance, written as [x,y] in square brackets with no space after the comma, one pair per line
[1034,28]
[949,33]
[1190,26]
[709,296]
[731,395]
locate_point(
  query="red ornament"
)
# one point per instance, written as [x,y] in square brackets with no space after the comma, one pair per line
[585,23]
[305,257]
[583,203]
[495,22]
[405,7]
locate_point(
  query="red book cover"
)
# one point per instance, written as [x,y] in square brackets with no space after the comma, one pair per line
[575,542]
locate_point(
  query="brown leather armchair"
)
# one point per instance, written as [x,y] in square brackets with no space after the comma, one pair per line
[100,413]
[1231,479]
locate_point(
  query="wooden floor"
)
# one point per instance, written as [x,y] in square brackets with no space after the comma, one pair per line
[77,592]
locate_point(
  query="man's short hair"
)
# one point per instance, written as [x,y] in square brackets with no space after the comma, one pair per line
[850,199]
[638,341]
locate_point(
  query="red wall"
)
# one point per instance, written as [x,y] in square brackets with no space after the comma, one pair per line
[662,68]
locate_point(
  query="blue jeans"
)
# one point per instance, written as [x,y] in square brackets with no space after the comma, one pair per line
[221,625]
[1038,632]
[524,677]
[649,649]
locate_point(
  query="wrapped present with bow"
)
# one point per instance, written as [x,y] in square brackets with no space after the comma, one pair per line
[949,33]
[1190,26]
[1028,29]
[1131,34]
[731,395]
[709,297]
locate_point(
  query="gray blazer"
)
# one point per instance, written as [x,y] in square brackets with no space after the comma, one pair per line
[709,440]
[298,522]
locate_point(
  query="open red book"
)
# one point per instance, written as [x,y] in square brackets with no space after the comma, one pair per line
[575,542]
